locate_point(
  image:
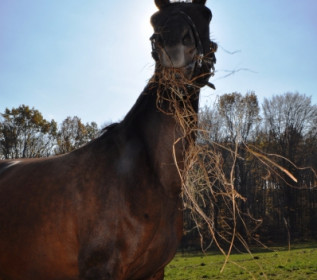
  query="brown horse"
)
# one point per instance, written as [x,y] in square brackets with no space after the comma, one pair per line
[111,209]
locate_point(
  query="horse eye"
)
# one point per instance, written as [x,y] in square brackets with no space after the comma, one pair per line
[160,40]
[157,39]
[187,39]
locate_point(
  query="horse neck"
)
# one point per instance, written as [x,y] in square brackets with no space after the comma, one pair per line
[161,134]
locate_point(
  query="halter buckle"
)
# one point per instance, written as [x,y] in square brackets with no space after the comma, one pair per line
[200,59]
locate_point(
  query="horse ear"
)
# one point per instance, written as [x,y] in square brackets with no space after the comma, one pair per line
[203,2]
[161,3]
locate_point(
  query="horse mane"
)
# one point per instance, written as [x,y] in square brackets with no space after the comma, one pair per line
[109,128]
[143,102]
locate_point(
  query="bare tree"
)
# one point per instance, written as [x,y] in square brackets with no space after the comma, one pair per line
[240,115]
[289,124]
[287,119]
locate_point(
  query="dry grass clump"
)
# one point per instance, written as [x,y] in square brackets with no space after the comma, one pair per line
[204,182]
[208,192]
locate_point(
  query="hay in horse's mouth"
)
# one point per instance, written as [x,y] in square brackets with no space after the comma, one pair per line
[177,75]
[176,79]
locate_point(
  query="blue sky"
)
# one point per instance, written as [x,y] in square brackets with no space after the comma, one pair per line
[93,58]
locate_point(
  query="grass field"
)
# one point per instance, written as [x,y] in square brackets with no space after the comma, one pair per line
[298,263]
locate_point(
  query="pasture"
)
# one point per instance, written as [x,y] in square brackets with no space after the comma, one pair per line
[277,263]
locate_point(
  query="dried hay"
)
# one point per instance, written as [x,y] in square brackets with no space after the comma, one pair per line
[205,185]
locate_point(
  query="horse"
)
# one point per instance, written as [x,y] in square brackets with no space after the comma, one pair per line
[111,209]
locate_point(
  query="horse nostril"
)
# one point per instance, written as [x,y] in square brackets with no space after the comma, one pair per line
[192,51]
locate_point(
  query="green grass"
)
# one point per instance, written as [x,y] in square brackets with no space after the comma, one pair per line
[298,263]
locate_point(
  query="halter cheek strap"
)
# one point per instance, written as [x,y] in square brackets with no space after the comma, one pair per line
[199,45]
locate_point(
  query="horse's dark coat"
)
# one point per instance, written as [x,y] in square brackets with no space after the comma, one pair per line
[109,210]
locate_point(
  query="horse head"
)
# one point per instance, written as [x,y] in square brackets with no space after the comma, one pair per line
[181,40]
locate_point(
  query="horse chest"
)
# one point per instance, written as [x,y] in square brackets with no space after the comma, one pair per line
[159,236]
[138,233]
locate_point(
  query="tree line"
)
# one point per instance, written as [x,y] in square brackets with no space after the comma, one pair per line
[24,133]
[274,172]
[274,168]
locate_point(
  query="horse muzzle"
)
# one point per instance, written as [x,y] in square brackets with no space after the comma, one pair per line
[180,58]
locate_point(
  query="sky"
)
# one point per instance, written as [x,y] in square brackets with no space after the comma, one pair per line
[92,59]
